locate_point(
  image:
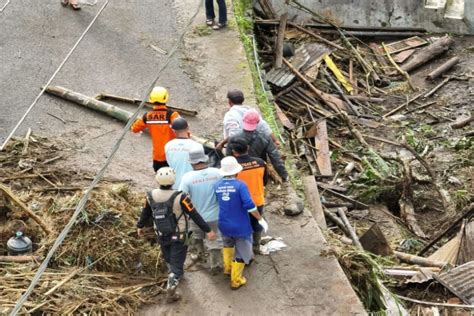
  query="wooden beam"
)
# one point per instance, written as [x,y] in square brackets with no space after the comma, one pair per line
[314,200]
[280,40]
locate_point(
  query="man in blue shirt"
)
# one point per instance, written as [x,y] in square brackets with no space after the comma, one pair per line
[235,205]
[199,184]
[177,150]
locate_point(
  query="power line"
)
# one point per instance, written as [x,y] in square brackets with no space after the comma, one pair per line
[100,174]
[53,76]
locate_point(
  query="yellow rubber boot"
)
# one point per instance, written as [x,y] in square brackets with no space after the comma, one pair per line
[228,257]
[237,278]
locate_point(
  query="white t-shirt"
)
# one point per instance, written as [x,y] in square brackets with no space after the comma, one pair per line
[177,156]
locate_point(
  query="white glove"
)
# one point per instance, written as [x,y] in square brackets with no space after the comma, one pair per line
[264,224]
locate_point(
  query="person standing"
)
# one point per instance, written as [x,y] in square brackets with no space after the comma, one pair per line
[177,150]
[211,16]
[254,174]
[158,121]
[235,207]
[199,184]
[233,119]
[260,145]
[170,211]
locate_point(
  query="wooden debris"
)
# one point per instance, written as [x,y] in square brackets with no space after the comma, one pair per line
[374,241]
[323,158]
[280,40]
[424,262]
[316,36]
[427,53]
[25,209]
[466,249]
[336,220]
[449,252]
[443,68]
[463,122]
[312,193]
[405,44]
[402,56]
[20,259]
[459,281]
[342,214]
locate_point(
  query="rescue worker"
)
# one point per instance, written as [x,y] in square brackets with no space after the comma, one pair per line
[158,122]
[260,145]
[235,207]
[170,211]
[254,174]
[177,150]
[233,119]
[199,184]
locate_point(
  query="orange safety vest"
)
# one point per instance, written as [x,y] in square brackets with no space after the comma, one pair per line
[158,121]
[253,174]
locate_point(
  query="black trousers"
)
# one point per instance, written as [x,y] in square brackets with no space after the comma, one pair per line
[159,164]
[253,221]
[174,251]
[222,11]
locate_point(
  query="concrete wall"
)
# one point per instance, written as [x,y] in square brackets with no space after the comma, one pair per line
[385,13]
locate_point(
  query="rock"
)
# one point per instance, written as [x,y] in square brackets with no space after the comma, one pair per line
[294,205]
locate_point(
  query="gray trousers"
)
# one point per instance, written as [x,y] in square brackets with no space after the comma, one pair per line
[200,234]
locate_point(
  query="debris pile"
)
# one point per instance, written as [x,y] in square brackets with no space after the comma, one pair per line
[381,120]
[102,266]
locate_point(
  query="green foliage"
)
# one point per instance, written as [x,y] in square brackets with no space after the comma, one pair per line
[202,30]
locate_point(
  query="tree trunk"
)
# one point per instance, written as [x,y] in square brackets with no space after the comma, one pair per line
[428,53]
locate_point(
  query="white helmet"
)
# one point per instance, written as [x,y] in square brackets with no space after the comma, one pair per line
[165,176]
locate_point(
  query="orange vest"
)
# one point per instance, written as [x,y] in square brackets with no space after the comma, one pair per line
[253,174]
[158,122]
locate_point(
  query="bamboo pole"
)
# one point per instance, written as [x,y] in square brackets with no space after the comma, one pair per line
[419,260]
[353,235]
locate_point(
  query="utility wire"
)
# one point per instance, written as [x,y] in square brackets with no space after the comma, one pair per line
[53,76]
[101,172]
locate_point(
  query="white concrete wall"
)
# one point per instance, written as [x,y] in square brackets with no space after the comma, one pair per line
[385,13]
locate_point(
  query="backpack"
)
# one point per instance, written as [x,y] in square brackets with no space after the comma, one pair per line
[164,218]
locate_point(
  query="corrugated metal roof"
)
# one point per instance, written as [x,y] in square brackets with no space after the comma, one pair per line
[460,281]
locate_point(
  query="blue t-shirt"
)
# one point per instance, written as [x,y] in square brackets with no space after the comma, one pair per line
[234,204]
[200,186]
[177,156]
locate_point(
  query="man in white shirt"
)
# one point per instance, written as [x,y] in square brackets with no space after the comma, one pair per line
[177,150]
[233,118]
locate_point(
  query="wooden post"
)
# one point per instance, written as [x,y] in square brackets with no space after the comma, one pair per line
[312,194]
[353,235]
[280,40]
[426,54]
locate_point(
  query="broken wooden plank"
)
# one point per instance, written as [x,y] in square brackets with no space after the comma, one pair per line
[314,200]
[6,190]
[316,36]
[280,40]
[427,53]
[374,241]
[283,118]
[323,155]
[443,68]
[405,44]
[402,56]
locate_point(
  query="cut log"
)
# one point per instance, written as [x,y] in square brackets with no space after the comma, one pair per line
[374,241]
[427,53]
[323,158]
[19,259]
[442,69]
[280,40]
[424,262]
[312,194]
[25,208]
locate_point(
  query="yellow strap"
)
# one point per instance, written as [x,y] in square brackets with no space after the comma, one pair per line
[339,76]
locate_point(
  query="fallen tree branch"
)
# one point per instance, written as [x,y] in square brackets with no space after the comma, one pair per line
[419,260]
[352,233]
[19,259]
[30,213]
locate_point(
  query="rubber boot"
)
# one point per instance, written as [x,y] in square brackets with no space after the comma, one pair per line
[257,237]
[228,257]
[171,295]
[198,249]
[215,261]
[237,278]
